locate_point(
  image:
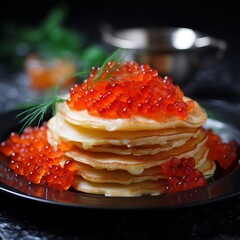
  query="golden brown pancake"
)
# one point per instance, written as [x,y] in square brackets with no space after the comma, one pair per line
[123,177]
[94,137]
[136,164]
[54,139]
[117,176]
[117,190]
[148,187]
[208,168]
[81,118]
[137,151]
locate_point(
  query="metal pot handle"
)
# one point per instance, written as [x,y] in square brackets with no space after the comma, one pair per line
[219,47]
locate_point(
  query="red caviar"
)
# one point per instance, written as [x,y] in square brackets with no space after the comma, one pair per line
[224,153]
[131,89]
[182,175]
[32,156]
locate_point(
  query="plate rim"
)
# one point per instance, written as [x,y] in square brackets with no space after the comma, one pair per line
[173,197]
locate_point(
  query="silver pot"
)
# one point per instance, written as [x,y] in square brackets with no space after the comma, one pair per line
[176,52]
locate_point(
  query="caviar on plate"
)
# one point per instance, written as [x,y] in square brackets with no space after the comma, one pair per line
[32,156]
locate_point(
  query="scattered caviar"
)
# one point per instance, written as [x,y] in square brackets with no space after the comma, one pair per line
[182,175]
[224,153]
[32,156]
[132,89]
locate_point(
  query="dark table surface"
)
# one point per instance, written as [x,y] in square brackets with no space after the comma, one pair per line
[25,219]
[21,219]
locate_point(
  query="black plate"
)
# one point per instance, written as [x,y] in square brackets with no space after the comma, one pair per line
[226,183]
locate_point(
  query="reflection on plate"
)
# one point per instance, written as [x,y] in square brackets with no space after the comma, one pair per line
[225,184]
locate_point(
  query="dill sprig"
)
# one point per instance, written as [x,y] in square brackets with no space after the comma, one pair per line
[106,72]
[33,112]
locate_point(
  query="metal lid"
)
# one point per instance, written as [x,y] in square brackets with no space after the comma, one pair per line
[159,39]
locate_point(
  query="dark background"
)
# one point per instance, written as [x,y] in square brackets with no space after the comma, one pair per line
[21,219]
[218,20]
[221,20]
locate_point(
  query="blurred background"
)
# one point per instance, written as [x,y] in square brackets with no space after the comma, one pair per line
[71,31]
[68,34]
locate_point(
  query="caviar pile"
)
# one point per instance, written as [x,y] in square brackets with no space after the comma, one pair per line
[182,175]
[131,89]
[32,156]
[224,153]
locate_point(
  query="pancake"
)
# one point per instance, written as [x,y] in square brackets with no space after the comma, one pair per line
[117,176]
[123,177]
[208,168]
[136,164]
[195,119]
[118,190]
[137,151]
[147,187]
[54,139]
[94,137]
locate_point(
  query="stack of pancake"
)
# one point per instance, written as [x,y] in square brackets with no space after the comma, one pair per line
[123,157]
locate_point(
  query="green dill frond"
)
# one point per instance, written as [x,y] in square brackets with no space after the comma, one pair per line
[34,112]
[117,58]
[83,73]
